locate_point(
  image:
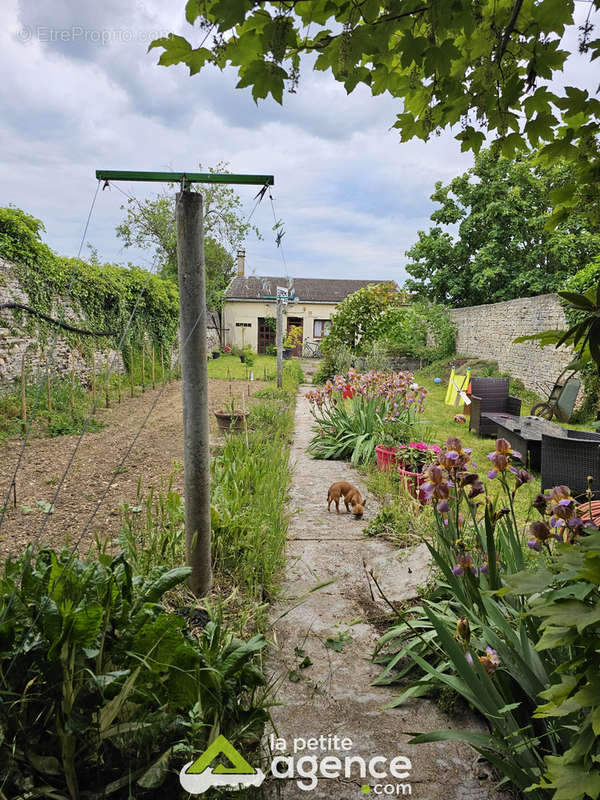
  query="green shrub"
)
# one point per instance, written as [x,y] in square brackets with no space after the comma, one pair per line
[358,318]
[337,360]
[423,330]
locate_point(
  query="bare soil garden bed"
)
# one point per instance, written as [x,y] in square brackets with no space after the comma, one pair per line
[152,457]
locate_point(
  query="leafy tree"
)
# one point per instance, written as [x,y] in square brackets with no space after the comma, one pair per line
[357,320]
[484,65]
[150,224]
[504,247]
[424,330]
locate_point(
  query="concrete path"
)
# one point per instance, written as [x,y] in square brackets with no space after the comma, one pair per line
[334,696]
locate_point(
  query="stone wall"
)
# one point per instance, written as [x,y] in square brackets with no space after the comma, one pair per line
[488,332]
[17,339]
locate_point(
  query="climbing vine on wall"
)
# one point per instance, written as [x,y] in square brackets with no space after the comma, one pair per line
[104,296]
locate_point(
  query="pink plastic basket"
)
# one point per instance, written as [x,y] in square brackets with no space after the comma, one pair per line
[413,482]
[386,457]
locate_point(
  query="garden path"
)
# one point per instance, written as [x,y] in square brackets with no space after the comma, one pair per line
[333,695]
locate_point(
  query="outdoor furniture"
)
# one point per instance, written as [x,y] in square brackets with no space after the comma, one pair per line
[568,461]
[490,396]
[524,434]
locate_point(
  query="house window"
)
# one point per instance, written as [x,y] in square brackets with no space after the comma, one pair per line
[321,328]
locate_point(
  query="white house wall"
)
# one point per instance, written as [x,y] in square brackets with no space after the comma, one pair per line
[238,311]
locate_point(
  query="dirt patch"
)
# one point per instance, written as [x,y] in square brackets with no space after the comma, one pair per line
[152,457]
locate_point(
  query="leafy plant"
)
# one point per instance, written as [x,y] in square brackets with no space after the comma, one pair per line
[294,336]
[564,593]
[103,295]
[102,690]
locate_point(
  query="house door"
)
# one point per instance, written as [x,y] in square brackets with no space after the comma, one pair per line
[266,334]
[299,322]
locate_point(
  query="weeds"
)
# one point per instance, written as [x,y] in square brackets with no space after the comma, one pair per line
[249,483]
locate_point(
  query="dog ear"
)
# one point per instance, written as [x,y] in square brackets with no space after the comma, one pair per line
[364,502]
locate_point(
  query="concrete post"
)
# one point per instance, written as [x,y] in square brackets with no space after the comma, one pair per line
[194,374]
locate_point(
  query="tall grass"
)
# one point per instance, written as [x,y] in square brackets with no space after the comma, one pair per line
[249,484]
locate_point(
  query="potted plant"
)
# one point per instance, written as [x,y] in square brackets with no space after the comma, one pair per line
[292,340]
[392,431]
[247,356]
[231,418]
[412,460]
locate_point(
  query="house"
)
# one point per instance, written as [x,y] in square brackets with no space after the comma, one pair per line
[250,307]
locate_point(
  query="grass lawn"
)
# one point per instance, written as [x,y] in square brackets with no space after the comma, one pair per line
[228,367]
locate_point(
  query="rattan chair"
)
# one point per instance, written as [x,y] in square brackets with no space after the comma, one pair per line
[568,462]
[490,396]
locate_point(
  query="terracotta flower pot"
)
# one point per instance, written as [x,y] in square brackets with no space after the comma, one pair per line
[230,422]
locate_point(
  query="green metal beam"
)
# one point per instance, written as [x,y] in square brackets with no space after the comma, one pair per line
[186,177]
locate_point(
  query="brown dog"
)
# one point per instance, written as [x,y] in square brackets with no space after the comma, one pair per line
[351,495]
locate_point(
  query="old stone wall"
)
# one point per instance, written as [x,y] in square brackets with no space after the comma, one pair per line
[18,339]
[488,332]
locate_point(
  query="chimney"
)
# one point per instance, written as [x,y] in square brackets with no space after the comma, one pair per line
[241,262]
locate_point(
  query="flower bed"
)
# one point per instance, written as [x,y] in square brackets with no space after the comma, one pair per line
[351,411]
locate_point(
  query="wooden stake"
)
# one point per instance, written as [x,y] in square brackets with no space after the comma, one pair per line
[143,368]
[72,388]
[94,380]
[153,386]
[131,366]
[162,364]
[106,389]
[23,395]
[49,391]
[119,385]
[245,418]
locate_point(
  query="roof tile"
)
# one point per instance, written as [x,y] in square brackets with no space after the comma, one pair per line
[324,290]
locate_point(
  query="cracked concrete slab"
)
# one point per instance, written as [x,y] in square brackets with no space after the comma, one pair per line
[335,695]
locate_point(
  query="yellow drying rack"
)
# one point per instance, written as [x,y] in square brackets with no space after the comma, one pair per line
[457,389]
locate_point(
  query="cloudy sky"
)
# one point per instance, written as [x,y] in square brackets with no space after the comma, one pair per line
[80,93]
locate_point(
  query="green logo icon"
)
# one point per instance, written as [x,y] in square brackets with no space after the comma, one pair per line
[365,788]
[198,776]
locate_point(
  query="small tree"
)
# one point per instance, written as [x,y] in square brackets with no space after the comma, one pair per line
[358,319]
[150,225]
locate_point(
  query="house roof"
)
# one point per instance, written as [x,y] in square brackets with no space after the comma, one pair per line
[306,290]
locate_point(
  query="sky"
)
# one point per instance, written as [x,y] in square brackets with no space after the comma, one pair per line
[81,93]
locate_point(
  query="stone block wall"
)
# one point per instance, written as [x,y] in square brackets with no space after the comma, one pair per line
[488,332]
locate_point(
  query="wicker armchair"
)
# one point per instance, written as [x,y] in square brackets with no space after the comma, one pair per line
[490,396]
[569,461]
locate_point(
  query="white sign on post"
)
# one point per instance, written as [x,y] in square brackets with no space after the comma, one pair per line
[282,293]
